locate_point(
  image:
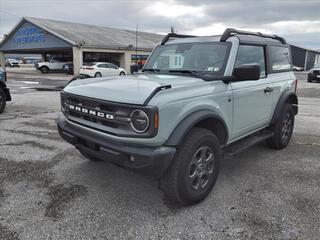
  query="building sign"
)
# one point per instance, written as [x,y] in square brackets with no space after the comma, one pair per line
[29,35]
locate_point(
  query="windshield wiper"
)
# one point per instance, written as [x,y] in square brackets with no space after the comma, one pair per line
[203,76]
[194,73]
[155,70]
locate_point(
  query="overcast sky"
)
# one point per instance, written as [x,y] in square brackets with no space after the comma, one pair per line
[298,21]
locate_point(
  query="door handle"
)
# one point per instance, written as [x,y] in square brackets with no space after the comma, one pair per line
[268,89]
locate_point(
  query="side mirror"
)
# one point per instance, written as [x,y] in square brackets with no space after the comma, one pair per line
[247,72]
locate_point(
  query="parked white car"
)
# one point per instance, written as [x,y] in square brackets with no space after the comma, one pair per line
[11,62]
[297,69]
[101,69]
[55,64]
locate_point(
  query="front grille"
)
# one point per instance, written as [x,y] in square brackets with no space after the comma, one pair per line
[95,111]
[316,72]
[109,117]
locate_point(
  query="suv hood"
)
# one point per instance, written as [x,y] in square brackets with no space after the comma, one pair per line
[130,89]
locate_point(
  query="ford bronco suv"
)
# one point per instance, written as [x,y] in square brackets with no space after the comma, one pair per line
[198,100]
[4,91]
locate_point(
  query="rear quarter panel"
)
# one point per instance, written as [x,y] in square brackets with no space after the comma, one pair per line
[280,83]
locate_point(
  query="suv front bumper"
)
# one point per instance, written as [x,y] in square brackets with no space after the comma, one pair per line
[152,161]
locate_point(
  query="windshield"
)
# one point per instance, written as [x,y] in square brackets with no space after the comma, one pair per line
[196,57]
[317,65]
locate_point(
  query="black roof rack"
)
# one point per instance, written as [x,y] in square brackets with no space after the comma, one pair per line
[174,35]
[231,31]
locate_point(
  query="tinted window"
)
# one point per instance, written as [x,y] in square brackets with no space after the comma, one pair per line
[103,66]
[251,55]
[110,65]
[280,58]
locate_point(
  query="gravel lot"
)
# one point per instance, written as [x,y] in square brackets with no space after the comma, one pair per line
[49,191]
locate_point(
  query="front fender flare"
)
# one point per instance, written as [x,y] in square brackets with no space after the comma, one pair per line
[189,122]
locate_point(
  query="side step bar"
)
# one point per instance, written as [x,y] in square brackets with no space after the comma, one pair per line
[241,145]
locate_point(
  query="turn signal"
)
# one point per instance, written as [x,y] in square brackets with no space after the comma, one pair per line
[295,85]
[156,120]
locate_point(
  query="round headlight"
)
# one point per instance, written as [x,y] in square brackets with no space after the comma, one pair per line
[139,121]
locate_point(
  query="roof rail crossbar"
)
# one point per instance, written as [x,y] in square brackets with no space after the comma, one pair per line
[231,31]
[174,35]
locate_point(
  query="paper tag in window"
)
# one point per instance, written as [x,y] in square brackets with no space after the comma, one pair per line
[216,69]
[210,68]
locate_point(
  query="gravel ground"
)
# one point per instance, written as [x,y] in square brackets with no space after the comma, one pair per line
[49,191]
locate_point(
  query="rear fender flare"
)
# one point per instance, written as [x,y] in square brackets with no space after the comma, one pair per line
[287,96]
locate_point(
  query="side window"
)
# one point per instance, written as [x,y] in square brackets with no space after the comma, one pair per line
[102,66]
[110,65]
[251,55]
[280,58]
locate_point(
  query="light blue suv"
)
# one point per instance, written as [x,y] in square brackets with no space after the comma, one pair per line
[199,99]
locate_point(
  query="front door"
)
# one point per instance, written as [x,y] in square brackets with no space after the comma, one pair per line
[252,99]
[113,69]
[103,69]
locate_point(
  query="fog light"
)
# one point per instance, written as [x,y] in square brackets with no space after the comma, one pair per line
[131,158]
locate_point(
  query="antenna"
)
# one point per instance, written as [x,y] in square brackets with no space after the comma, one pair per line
[172,29]
[137,46]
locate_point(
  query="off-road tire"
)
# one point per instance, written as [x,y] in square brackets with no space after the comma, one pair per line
[176,181]
[2,100]
[90,157]
[282,127]
[44,69]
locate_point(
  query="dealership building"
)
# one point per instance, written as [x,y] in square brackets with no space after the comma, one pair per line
[80,43]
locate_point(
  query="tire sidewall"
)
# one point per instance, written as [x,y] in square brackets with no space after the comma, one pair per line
[3,105]
[44,69]
[186,191]
[287,109]
[97,74]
